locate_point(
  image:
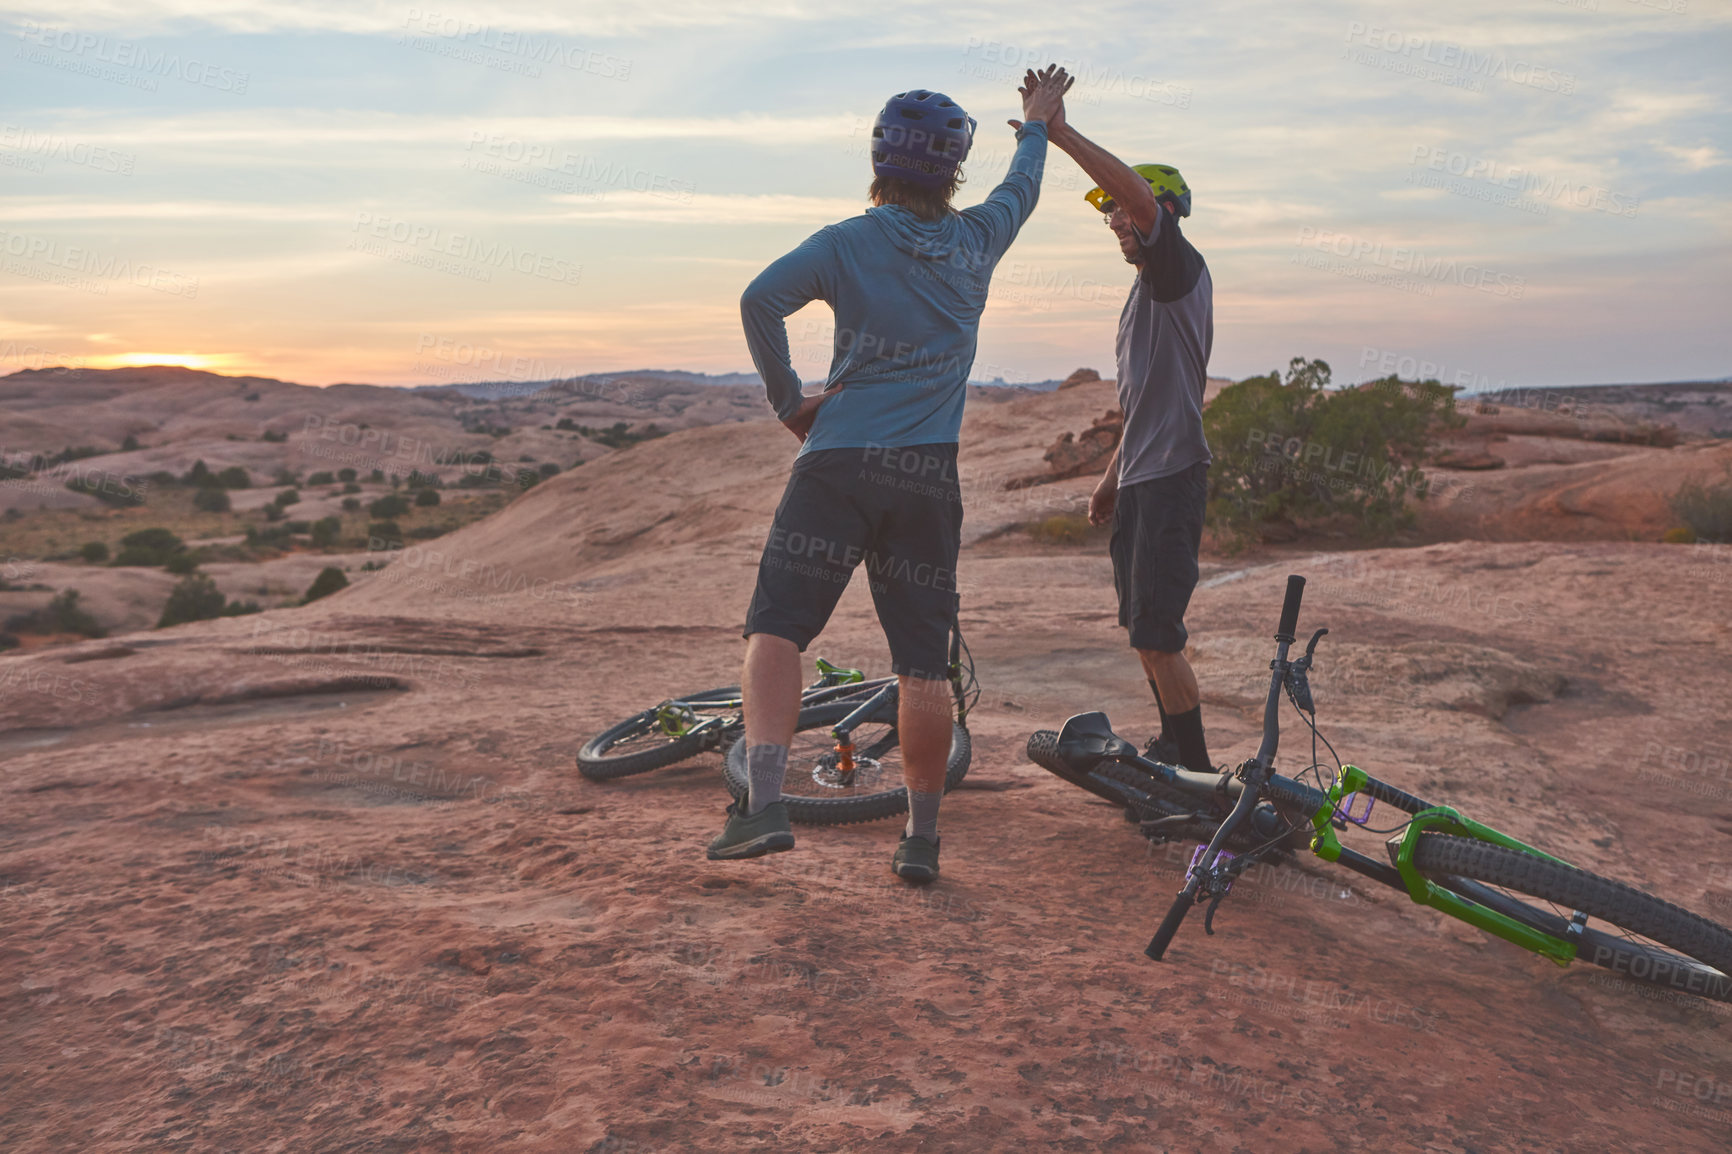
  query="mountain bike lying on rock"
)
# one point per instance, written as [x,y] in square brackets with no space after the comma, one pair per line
[845,764]
[1437,856]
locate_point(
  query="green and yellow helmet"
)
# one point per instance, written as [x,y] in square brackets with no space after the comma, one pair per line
[1169,187]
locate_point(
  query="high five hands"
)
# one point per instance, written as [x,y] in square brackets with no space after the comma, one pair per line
[1043,97]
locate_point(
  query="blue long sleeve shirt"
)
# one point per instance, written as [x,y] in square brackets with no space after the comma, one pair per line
[907,294]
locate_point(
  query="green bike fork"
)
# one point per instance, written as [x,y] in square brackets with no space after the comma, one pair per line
[1425,892]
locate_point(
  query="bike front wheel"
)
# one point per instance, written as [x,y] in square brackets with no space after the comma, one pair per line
[659,736]
[1639,936]
[818,792]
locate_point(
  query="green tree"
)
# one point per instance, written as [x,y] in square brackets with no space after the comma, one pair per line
[426,497]
[1706,509]
[329,580]
[345,475]
[195,598]
[325,531]
[1293,450]
[95,552]
[212,500]
[390,506]
[234,477]
[150,547]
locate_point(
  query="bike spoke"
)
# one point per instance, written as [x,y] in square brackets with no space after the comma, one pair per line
[814,768]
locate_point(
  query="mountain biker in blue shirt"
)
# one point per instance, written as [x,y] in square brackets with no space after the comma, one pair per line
[875,480]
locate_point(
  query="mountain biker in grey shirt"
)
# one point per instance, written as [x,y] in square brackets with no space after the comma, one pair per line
[1156,486]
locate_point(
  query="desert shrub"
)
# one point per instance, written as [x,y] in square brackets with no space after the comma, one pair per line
[269,535]
[427,497]
[63,614]
[195,598]
[129,444]
[346,475]
[212,500]
[180,564]
[324,478]
[95,552]
[1706,509]
[329,580]
[388,507]
[148,547]
[200,474]
[427,532]
[274,436]
[351,504]
[235,477]
[386,532]
[1291,450]
[326,530]
[1062,529]
[288,497]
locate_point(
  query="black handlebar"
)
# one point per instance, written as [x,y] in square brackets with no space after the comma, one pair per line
[1254,774]
[1290,608]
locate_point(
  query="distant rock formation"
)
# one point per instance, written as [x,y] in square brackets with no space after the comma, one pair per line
[1080,377]
[1073,455]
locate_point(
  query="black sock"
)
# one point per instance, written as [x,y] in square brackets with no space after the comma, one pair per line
[1187,731]
[1161,707]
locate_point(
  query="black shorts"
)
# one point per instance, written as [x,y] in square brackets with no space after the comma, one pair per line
[1157,530]
[897,509]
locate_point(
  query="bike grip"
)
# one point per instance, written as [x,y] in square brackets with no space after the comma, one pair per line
[1290,607]
[1170,926]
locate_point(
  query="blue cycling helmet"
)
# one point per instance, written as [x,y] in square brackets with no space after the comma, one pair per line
[921,137]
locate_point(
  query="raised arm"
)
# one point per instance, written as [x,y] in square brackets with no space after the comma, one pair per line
[1121,182]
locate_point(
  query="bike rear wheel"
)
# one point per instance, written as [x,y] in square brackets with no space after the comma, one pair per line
[814,790]
[649,740]
[1640,936]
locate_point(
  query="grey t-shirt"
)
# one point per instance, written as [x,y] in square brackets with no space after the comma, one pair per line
[1165,333]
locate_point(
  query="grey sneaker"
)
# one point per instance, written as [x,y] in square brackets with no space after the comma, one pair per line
[763,832]
[916,859]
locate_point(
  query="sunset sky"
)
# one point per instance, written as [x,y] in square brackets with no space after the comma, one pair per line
[1510,192]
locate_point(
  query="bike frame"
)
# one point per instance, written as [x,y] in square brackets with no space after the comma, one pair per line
[1089,736]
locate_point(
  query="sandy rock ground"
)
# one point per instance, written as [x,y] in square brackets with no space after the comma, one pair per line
[325,879]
